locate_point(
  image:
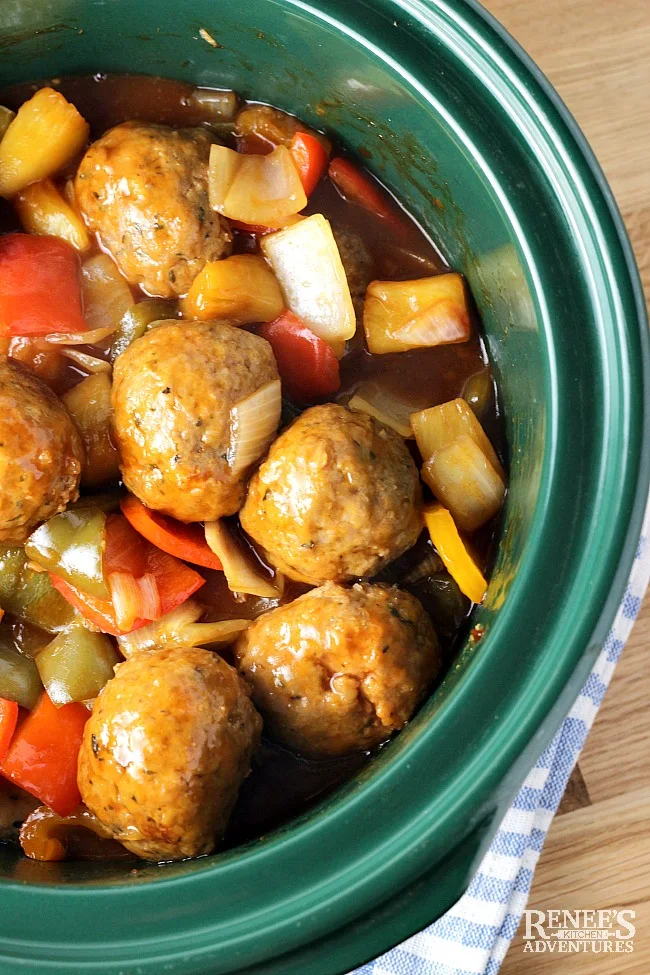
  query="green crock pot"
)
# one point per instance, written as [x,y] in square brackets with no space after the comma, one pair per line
[475,142]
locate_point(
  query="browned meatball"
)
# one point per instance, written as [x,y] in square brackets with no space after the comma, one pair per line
[338,669]
[357,262]
[144,189]
[335,499]
[172,394]
[41,454]
[165,751]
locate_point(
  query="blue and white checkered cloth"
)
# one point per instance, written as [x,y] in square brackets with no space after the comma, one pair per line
[474,936]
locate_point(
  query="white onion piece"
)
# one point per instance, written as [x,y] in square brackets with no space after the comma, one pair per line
[253,424]
[259,190]
[88,362]
[307,263]
[81,338]
[177,630]
[220,633]
[133,598]
[163,632]
[106,295]
[240,574]
[221,105]
[383,406]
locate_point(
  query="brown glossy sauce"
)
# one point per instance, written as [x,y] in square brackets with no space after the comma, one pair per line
[281,784]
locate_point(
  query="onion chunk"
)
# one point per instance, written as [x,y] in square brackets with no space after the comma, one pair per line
[253,424]
[134,598]
[90,363]
[180,628]
[257,190]
[390,410]
[240,574]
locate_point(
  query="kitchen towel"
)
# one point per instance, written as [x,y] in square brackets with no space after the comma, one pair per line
[474,936]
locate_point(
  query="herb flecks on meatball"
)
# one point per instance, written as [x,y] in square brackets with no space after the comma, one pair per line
[339,670]
[143,189]
[41,454]
[336,498]
[173,390]
[165,751]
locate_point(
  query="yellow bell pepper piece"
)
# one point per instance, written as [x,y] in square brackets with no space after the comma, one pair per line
[452,551]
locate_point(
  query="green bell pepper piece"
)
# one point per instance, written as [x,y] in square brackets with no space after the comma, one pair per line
[19,679]
[76,665]
[135,322]
[71,545]
[29,595]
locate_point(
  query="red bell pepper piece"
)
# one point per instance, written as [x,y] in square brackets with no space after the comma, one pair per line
[126,551]
[41,291]
[8,720]
[359,188]
[42,758]
[185,542]
[308,368]
[310,156]
[97,611]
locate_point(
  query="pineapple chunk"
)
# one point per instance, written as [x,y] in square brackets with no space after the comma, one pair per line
[46,134]
[462,478]
[402,315]
[241,288]
[43,210]
[436,427]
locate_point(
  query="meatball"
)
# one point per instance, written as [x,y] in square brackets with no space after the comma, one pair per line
[144,189]
[358,265]
[41,454]
[336,498]
[172,394]
[167,746]
[339,670]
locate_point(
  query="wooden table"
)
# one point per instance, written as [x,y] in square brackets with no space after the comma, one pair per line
[597,855]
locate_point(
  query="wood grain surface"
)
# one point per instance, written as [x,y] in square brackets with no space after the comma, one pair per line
[597,855]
